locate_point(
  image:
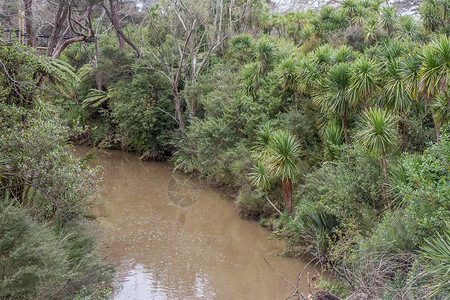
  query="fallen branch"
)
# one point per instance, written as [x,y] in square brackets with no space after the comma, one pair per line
[297,292]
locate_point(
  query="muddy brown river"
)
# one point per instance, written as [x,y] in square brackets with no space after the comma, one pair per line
[175,238]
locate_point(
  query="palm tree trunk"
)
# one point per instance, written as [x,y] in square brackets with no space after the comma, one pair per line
[296,100]
[437,126]
[286,191]
[438,130]
[386,182]
[344,126]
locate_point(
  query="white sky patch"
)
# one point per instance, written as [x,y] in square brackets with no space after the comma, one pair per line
[405,7]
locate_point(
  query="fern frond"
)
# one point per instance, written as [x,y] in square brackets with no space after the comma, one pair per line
[95,98]
[57,70]
[85,72]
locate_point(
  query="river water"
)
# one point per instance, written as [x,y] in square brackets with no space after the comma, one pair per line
[175,238]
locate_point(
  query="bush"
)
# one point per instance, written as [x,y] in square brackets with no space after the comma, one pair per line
[423,190]
[40,263]
[351,192]
[312,232]
[390,234]
[43,172]
[252,205]
[138,115]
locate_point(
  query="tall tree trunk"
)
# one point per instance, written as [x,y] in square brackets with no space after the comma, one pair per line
[437,126]
[60,17]
[386,182]
[31,33]
[344,126]
[116,23]
[112,15]
[286,191]
[364,102]
[176,99]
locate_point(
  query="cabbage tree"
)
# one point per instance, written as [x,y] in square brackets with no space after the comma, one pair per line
[379,136]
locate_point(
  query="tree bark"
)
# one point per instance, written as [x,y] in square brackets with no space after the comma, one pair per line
[31,33]
[344,126]
[437,126]
[60,17]
[286,191]
[386,182]
[112,15]
[116,23]
[176,99]
[80,36]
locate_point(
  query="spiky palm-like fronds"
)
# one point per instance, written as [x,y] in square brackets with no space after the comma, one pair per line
[395,88]
[279,158]
[378,133]
[334,134]
[321,57]
[442,51]
[344,54]
[252,77]
[388,18]
[282,155]
[240,47]
[435,15]
[393,49]
[429,74]
[288,74]
[364,78]
[370,32]
[333,98]
[409,68]
[308,77]
[260,177]
[265,53]
[338,20]
[408,26]
[437,251]
[350,6]
[442,109]
[360,16]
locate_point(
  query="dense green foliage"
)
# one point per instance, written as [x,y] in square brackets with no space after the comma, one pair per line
[330,126]
[47,248]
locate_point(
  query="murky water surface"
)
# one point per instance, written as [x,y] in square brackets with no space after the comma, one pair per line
[175,238]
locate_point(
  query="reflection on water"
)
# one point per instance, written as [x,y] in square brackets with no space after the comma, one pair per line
[174,238]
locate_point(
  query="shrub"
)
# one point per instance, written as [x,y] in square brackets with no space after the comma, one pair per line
[351,192]
[43,172]
[252,205]
[423,190]
[390,234]
[312,232]
[40,263]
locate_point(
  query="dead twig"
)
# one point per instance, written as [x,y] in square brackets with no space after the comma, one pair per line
[297,293]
